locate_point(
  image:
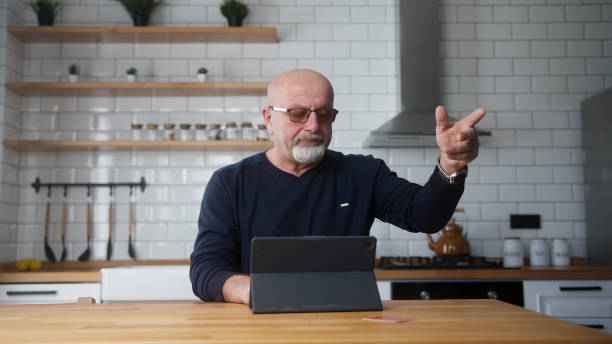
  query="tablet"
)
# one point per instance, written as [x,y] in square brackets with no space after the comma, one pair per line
[313,274]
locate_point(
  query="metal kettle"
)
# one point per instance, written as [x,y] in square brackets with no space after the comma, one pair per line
[452,242]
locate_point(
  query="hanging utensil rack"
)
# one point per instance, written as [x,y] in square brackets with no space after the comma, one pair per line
[37,185]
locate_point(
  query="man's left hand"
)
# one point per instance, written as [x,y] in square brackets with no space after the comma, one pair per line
[458,142]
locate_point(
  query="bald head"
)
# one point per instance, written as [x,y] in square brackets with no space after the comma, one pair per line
[304,81]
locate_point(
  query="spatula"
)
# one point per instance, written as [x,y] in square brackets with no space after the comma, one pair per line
[109,246]
[85,255]
[131,250]
[48,251]
[64,213]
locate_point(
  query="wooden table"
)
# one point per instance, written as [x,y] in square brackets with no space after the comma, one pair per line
[431,321]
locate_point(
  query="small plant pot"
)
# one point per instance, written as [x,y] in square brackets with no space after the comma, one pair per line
[234,21]
[140,20]
[131,78]
[45,19]
[73,77]
[202,77]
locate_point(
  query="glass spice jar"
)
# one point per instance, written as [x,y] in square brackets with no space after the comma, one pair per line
[137,132]
[262,132]
[168,131]
[153,132]
[200,132]
[231,131]
[248,132]
[214,131]
[185,132]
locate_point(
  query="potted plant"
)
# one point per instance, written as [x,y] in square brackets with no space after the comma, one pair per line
[73,73]
[202,74]
[235,11]
[140,10]
[131,74]
[46,10]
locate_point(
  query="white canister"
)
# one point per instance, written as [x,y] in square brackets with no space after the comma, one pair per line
[538,252]
[560,252]
[513,252]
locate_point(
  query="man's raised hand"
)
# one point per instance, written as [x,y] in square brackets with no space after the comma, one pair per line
[458,142]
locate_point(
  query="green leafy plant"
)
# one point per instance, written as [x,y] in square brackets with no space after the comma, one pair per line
[202,70]
[73,69]
[140,10]
[46,10]
[234,8]
[131,71]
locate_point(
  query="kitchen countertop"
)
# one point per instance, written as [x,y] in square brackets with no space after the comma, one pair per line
[75,272]
[430,321]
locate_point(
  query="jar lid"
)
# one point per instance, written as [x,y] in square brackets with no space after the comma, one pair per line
[152,126]
[168,125]
[512,238]
[215,126]
[136,125]
[185,126]
[231,125]
[261,126]
[200,126]
[246,125]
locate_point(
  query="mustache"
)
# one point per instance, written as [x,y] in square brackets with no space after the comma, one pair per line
[312,137]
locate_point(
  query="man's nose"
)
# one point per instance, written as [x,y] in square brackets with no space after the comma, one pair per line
[312,123]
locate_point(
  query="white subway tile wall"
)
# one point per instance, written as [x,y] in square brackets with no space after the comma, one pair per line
[529,63]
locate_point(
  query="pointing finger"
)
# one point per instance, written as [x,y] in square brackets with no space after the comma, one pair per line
[473,118]
[441,119]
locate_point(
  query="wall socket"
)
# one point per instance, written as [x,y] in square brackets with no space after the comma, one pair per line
[525,221]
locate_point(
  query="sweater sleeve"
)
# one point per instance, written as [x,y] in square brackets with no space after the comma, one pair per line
[215,256]
[413,207]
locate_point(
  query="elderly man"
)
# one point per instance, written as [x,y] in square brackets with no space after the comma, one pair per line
[301,188]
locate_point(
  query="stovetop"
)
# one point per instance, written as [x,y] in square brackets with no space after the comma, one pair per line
[438,262]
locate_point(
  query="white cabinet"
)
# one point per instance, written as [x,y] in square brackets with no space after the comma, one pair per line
[384,289]
[147,283]
[33,293]
[586,302]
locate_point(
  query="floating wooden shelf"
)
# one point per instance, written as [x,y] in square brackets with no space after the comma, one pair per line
[30,145]
[143,34]
[138,88]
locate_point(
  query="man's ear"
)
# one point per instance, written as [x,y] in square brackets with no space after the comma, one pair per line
[267,117]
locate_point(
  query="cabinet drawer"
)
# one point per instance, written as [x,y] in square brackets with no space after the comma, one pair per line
[570,299]
[604,324]
[47,293]
[576,306]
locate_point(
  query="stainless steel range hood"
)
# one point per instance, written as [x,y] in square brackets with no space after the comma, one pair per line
[419,36]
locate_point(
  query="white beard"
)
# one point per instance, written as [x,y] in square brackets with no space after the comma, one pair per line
[308,154]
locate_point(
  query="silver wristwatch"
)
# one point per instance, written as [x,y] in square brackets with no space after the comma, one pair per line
[457,177]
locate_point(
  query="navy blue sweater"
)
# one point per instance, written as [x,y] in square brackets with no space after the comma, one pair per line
[340,196]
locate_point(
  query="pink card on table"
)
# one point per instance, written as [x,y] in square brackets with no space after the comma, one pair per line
[386,319]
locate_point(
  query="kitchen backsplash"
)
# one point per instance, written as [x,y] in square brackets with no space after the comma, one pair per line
[529,63]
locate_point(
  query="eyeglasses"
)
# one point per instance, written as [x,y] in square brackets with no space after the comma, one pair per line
[324,115]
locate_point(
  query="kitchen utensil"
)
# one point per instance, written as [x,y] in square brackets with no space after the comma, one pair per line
[85,255]
[64,213]
[452,242]
[131,250]
[560,252]
[513,252]
[109,246]
[538,252]
[48,251]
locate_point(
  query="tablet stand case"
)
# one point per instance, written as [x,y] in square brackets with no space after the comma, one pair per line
[313,274]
